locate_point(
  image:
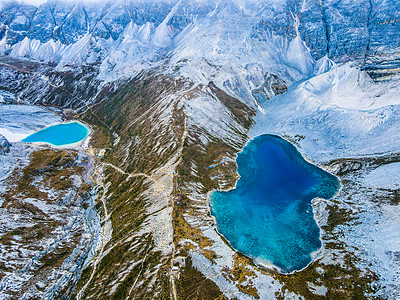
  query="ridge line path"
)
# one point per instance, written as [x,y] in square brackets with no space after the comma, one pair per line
[130,175]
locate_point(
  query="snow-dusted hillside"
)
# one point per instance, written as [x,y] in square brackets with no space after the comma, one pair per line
[48,224]
[173,90]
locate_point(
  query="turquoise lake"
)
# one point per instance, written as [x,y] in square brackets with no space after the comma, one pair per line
[268,216]
[60,134]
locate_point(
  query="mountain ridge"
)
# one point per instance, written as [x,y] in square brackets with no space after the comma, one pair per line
[173,90]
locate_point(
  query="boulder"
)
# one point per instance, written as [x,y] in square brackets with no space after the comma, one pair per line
[4,145]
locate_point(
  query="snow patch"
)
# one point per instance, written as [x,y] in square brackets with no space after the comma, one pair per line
[348,87]
[30,119]
[386,176]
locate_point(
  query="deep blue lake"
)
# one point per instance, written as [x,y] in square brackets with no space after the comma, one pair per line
[269,216]
[60,134]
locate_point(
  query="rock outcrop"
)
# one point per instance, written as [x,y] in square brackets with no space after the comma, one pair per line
[4,145]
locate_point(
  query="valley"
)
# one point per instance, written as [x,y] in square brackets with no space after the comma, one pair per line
[172,92]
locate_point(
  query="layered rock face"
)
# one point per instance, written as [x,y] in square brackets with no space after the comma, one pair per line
[338,29]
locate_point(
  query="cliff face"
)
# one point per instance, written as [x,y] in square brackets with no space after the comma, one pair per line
[333,28]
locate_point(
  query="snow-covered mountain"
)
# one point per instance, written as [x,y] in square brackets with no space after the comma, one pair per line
[333,28]
[122,38]
[234,43]
[171,90]
[121,34]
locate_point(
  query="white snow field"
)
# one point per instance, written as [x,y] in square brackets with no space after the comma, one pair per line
[342,113]
[19,121]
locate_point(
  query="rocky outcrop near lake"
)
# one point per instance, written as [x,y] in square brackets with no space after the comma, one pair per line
[4,145]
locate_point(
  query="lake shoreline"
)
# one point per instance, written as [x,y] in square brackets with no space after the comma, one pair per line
[324,182]
[72,145]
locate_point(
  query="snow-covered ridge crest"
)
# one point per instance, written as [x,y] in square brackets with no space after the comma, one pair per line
[303,24]
[224,48]
[233,43]
[49,51]
[346,86]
